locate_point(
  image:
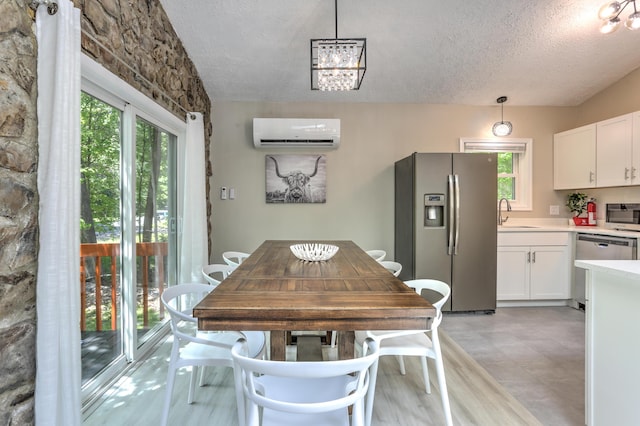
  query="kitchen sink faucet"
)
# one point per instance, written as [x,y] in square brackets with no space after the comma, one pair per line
[502,220]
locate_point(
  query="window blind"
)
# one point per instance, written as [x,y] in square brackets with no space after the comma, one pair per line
[495,146]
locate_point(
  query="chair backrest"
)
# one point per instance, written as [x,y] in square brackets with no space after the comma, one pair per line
[221,270]
[394,267]
[439,287]
[179,301]
[234,258]
[270,384]
[377,254]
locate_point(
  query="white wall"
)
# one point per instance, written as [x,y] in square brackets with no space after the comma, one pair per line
[360,177]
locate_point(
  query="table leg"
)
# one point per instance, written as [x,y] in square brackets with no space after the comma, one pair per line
[278,345]
[346,348]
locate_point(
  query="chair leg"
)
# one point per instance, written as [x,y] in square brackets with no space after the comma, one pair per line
[357,414]
[240,398]
[373,379]
[171,377]
[400,359]
[192,383]
[442,382]
[425,374]
[334,334]
[201,381]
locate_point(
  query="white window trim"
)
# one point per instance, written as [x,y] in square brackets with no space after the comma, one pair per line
[525,166]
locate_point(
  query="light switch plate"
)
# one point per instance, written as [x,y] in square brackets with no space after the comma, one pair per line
[554,210]
[232,193]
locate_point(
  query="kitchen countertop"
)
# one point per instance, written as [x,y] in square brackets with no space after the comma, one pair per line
[625,268]
[560,225]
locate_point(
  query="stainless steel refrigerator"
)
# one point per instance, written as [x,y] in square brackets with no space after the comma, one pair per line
[446,224]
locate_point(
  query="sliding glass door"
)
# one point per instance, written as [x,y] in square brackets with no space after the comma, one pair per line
[128,227]
[100,279]
[155,207]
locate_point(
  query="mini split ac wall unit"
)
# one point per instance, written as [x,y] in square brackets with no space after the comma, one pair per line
[296,132]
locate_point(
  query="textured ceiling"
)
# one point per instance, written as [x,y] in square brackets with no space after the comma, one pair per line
[536,52]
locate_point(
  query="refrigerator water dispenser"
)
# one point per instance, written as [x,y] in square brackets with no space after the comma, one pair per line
[434,210]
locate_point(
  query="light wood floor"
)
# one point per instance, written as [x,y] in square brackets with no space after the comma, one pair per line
[476,398]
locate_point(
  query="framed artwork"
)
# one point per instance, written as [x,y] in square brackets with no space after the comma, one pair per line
[296,179]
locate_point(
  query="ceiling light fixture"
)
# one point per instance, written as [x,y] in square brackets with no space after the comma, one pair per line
[610,13]
[338,64]
[502,128]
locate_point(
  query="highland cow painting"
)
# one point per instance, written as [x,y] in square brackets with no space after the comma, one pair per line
[295,179]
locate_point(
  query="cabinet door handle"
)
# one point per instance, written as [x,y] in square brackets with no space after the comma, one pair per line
[633,173]
[529,257]
[626,173]
[591,176]
[533,257]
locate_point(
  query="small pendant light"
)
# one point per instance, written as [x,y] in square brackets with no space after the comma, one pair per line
[502,128]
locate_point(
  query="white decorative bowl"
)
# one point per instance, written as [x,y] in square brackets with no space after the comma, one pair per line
[314,252]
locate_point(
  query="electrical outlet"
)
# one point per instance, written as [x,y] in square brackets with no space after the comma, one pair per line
[554,210]
[223,193]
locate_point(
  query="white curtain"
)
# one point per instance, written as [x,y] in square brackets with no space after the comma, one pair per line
[193,244]
[58,374]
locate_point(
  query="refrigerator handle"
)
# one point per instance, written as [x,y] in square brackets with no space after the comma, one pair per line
[457,210]
[451,224]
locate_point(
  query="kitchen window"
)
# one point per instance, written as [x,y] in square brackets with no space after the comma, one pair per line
[514,167]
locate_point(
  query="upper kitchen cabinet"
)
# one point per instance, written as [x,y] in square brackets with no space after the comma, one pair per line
[614,141]
[635,148]
[574,158]
[598,155]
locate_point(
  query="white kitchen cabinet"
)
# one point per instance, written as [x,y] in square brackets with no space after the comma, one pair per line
[635,163]
[533,266]
[614,141]
[513,273]
[574,158]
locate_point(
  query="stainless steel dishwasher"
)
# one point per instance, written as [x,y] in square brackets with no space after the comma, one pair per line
[599,247]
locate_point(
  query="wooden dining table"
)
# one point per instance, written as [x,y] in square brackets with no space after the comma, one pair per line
[275,291]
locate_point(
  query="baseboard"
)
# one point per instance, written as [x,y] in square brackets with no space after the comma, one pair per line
[531,303]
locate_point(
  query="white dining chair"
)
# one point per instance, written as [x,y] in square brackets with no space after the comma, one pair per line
[193,348]
[394,267]
[219,270]
[234,258]
[422,343]
[318,393]
[377,254]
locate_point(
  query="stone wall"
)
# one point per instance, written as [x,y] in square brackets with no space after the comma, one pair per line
[138,33]
[135,40]
[18,213]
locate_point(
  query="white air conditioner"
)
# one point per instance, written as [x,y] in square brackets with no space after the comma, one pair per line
[296,132]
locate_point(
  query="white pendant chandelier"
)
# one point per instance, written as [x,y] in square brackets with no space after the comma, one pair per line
[502,128]
[338,64]
[610,14]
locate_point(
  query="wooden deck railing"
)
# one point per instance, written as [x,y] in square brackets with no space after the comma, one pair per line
[98,251]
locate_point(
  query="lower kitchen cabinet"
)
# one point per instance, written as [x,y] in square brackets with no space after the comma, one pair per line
[533,266]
